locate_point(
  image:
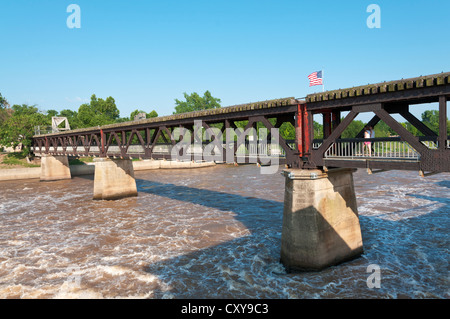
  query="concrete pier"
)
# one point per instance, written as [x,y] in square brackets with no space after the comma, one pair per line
[320,219]
[55,168]
[114,179]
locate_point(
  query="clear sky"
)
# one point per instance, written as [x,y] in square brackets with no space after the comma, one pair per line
[146,53]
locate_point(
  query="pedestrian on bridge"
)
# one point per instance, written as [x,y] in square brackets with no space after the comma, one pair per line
[368,133]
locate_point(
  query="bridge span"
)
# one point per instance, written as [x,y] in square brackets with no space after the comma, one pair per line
[320,219]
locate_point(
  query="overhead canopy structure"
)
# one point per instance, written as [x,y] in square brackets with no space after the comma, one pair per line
[57,121]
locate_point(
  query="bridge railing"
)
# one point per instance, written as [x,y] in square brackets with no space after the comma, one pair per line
[376,149]
[248,149]
[382,148]
[38,130]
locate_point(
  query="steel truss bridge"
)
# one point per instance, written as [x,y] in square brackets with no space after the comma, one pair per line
[155,139]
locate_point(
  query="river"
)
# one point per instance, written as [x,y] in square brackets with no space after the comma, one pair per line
[214,233]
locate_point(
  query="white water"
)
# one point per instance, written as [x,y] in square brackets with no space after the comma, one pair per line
[213,233]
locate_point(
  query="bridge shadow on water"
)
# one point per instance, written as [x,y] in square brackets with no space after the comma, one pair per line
[245,207]
[249,266]
[197,274]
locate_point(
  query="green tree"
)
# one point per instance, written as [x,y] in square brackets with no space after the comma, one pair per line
[383,130]
[72,117]
[19,127]
[98,112]
[195,102]
[52,113]
[134,113]
[287,131]
[4,112]
[147,115]
[152,114]
[431,119]
[3,102]
[411,129]
[318,130]
[353,129]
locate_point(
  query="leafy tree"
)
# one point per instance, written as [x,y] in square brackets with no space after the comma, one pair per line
[147,115]
[195,102]
[287,131]
[152,114]
[52,113]
[72,117]
[318,130]
[134,113]
[98,112]
[353,129]
[19,127]
[383,130]
[5,112]
[411,129]
[3,102]
[431,119]
[122,120]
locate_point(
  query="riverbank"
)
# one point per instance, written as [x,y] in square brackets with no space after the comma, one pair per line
[17,160]
[89,168]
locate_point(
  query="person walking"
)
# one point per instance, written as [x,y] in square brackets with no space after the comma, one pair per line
[372,135]
[367,145]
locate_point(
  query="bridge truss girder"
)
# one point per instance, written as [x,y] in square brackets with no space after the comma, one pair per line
[119,141]
[383,106]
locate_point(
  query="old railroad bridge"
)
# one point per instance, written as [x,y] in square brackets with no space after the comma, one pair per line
[320,219]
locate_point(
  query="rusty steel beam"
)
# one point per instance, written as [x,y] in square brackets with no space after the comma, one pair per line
[317,155]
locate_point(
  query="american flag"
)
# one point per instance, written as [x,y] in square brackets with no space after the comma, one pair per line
[315,78]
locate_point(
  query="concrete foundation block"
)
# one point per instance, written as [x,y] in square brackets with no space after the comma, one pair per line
[320,219]
[114,179]
[55,168]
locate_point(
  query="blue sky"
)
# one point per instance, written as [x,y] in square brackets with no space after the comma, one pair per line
[147,53]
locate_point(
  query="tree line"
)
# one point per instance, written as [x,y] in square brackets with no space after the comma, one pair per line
[18,122]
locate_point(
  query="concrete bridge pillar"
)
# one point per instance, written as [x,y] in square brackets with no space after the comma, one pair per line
[320,219]
[55,167]
[114,179]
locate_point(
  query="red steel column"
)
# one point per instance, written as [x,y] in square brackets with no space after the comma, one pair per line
[299,130]
[307,125]
[326,124]
[102,137]
[303,131]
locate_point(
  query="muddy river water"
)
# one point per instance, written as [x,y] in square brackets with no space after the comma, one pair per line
[214,233]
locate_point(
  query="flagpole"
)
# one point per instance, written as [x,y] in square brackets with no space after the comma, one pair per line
[323,85]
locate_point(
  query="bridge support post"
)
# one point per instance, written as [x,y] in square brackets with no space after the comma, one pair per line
[320,219]
[114,179]
[54,168]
